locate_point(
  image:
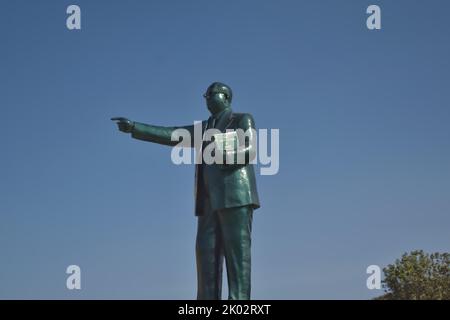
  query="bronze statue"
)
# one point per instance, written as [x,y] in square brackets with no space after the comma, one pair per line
[225,198]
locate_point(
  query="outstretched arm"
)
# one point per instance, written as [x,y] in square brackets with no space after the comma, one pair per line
[151,133]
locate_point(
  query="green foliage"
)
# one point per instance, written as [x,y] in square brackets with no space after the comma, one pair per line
[418,276]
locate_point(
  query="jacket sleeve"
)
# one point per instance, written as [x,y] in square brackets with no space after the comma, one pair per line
[162,135]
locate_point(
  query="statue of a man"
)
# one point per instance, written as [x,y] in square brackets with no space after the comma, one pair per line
[225,197]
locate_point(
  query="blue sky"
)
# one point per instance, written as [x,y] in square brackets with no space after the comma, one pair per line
[364,141]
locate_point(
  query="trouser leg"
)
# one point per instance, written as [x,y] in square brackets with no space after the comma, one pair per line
[209,254]
[236,227]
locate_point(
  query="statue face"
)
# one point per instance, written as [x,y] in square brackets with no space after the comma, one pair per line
[216,101]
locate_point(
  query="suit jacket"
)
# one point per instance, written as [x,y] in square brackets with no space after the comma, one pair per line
[223,185]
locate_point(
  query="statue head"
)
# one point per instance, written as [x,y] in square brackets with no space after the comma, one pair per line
[218,97]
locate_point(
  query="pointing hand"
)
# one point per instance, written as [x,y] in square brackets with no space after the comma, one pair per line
[124,124]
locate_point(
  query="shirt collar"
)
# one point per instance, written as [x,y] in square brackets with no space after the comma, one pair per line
[217,116]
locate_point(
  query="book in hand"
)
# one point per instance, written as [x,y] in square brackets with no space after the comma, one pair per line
[227,141]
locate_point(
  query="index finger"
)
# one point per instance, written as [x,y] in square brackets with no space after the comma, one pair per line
[118,119]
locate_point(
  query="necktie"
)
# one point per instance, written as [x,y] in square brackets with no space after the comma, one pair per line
[211,122]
